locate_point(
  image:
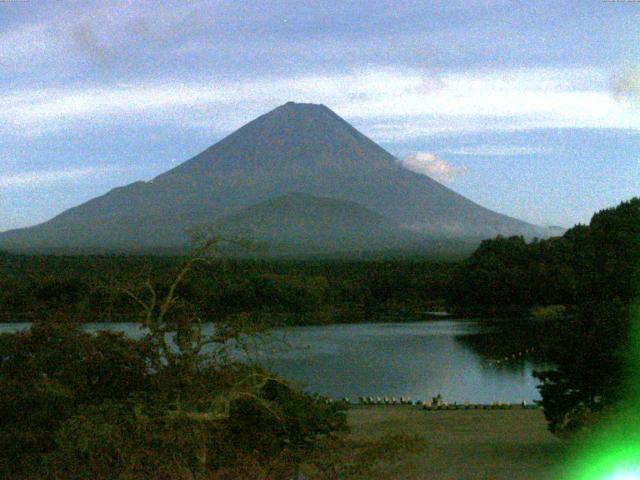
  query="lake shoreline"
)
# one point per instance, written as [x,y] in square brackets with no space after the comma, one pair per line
[386,317]
[456,359]
[379,318]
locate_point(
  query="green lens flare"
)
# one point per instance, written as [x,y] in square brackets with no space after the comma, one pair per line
[632,473]
[618,462]
[613,452]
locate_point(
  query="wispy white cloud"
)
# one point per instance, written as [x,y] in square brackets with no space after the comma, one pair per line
[488,150]
[390,104]
[25,42]
[430,164]
[40,178]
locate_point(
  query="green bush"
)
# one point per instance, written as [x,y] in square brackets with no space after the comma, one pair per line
[48,372]
[589,353]
[111,441]
[78,405]
[75,405]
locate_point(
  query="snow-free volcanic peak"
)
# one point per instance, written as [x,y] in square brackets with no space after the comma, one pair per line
[297,147]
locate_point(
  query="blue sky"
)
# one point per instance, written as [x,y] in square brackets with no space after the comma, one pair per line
[529,108]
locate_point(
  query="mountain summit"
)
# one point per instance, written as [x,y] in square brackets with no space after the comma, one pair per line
[302,148]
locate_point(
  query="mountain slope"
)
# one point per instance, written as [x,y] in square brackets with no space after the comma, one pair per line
[303,219]
[295,148]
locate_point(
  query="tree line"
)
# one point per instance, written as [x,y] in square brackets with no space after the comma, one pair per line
[589,263]
[291,292]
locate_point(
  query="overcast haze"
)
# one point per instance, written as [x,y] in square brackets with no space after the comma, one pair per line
[529,108]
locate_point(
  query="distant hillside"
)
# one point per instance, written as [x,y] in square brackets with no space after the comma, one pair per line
[295,148]
[304,223]
[304,219]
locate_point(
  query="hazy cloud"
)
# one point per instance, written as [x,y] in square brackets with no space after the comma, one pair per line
[84,38]
[48,177]
[393,105]
[626,83]
[149,38]
[24,43]
[430,164]
[488,150]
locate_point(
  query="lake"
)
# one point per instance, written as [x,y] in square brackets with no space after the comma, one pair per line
[454,358]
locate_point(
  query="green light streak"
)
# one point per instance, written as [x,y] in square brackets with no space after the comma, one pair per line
[625,474]
[613,451]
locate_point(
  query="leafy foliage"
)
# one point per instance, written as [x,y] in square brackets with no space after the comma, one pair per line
[595,263]
[48,372]
[103,406]
[589,351]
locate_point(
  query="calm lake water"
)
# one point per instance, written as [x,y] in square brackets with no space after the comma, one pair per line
[416,359]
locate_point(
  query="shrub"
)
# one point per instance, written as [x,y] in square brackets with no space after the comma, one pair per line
[48,372]
[79,405]
[589,354]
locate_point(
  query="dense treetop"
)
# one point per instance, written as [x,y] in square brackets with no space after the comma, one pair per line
[595,262]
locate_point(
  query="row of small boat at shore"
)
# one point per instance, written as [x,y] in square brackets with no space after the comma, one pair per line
[437,403]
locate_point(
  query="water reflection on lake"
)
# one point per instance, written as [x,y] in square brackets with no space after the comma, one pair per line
[416,359]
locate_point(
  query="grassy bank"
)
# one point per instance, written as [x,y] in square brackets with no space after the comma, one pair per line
[407,443]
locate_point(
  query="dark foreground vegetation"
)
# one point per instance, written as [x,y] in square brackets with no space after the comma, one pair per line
[74,405]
